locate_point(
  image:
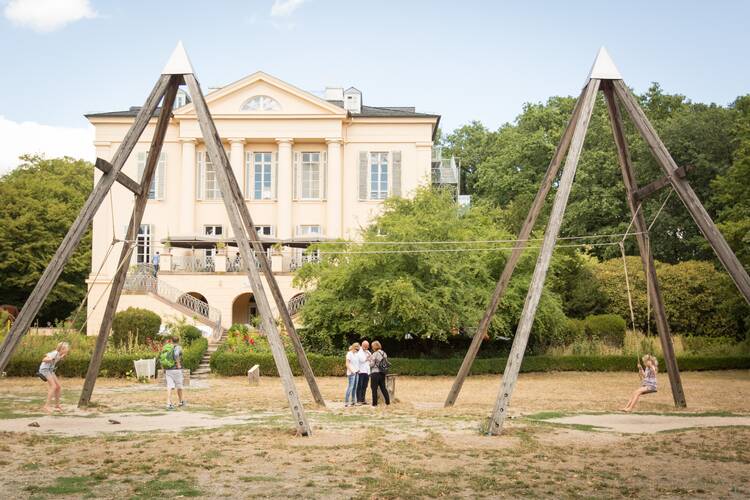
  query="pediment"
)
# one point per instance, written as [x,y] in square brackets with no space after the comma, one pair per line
[263,94]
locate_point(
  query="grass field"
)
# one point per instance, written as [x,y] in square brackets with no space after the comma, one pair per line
[414,448]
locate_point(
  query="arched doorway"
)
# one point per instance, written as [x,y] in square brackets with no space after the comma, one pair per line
[244,309]
[198,296]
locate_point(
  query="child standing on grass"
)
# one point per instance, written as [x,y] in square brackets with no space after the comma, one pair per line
[648,380]
[47,370]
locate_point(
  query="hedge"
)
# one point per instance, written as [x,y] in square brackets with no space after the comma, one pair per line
[26,364]
[229,364]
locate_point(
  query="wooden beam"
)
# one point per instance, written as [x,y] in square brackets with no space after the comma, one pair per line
[513,365]
[644,246]
[218,157]
[80,225]
[273,286]
[685,191]
[123,179]
[659,184]
[518,249]
[121,273]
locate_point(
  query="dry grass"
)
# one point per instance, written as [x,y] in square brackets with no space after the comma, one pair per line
[415,448]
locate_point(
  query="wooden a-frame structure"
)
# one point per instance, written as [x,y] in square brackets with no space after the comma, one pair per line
[603,76]
[177,71]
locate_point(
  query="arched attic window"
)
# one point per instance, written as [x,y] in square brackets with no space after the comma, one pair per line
[261,103]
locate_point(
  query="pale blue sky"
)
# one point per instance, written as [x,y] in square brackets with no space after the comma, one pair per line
[464,60]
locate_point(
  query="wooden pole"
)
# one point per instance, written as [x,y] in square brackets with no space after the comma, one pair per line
[644,246]
[121,273]
[684,191]
[224,173]
[515,256]
[79,227]
[512,367]
[273,285]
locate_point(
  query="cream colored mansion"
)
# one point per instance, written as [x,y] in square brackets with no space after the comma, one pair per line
[311,168]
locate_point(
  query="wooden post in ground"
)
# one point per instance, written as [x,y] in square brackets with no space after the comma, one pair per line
[79,227]
[513,365]
[273,285]
[121,272]
[224,173]
[515,256]
[684,191]
[644,246]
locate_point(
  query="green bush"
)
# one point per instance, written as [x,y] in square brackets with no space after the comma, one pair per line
[609,328]
[136,324]
[576,329]
[700,299]
[715,346]
[187,333]
[228,363]
[115,363]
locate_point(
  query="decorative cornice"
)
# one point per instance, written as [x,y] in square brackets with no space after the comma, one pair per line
[284,140]
[334,140]
[188,140]
[236,140]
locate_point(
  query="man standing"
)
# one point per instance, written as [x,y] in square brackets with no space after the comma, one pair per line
[155,261]
[170,359]
[363,377]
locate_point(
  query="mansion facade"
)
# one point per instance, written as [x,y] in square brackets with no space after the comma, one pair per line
[310,167]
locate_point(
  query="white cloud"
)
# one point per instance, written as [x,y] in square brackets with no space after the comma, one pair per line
[17,139]
[285,8]
[48,15]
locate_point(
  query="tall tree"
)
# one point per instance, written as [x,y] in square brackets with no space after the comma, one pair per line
[40,200]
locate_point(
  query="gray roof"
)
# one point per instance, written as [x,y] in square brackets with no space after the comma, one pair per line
[367,112]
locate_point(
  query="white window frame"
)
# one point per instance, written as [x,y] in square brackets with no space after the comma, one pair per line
[212,230]
[143,244]
[157,188]
[309,230]
[265,230]
[375,174]
[205,166]
[311,176]
[259,174]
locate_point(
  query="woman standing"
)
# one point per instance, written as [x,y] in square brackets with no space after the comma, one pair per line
[47,371]
[352,368]
[378,366]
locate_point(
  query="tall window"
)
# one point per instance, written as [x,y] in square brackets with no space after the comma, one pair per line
[378,176]
[259,170]
[156,190]
[216,231]
[208,182]
[310,176]
[143,244]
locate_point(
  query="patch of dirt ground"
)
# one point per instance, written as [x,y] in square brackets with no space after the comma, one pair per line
[237,441]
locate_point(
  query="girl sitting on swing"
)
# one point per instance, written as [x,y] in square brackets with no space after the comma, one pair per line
[648,380]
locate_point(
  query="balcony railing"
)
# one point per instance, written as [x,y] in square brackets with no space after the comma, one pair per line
[299,259]
[193,264]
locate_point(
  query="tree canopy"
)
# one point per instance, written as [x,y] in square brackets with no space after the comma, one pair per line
[40,200]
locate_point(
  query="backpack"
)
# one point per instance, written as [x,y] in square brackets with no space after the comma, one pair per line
[166,356]
[384,365]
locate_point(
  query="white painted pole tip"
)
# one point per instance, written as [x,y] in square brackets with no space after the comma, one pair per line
[604,68]
[179,62]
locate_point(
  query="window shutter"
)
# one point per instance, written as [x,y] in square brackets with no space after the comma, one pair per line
[160,175]
[363,160]
[274,175]
[395,173]
[296,178]
[323,174]
[200,174]
[249,176]
[141,165]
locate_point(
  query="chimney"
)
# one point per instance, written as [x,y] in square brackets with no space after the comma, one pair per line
[353,100]
[334,94]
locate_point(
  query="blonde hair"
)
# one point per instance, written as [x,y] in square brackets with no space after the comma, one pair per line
[354,346]
[62,345]
[647,357]
[376,346]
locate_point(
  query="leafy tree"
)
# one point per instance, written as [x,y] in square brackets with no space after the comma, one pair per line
[41,199]
[732,189]
[431,295]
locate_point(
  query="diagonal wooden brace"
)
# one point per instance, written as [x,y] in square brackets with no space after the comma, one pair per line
[123,179]
[659,184]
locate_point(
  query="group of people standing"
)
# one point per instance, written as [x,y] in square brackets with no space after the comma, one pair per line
[363,366]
